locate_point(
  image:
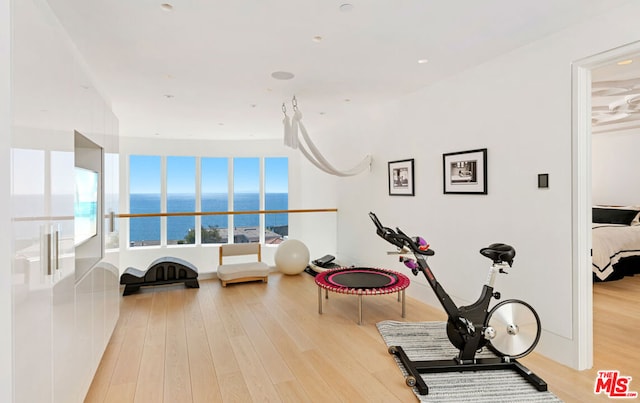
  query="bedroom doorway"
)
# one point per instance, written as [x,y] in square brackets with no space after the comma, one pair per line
[582,193]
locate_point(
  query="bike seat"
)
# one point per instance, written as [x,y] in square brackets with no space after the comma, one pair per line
[499,252]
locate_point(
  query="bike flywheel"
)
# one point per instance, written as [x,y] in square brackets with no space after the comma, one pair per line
[516,326]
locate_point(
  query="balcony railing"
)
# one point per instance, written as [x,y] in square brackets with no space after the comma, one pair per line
[239,234]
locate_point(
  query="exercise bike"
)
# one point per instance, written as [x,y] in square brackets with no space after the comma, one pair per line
[511,329]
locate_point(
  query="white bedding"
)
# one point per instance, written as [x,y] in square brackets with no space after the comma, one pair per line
[612,242]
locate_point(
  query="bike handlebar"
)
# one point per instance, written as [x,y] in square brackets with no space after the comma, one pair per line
[399,238]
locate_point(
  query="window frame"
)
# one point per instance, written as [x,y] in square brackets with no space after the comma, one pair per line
[198,196]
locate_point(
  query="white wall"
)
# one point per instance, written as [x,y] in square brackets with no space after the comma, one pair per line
[316,230]
[615,164]
[6,326]
[518,106]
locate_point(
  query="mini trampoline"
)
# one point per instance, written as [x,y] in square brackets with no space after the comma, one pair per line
[361,281]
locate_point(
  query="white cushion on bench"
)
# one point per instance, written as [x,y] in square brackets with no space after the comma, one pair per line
[234,271]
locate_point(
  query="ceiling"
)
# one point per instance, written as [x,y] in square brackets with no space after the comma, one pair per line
[203,69]
[615,101]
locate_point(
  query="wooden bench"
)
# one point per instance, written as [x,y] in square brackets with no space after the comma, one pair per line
[241,272]
[165,270]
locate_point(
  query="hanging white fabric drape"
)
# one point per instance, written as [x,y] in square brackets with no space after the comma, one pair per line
[294,126]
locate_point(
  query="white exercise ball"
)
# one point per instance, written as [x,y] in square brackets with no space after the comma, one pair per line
[291,257]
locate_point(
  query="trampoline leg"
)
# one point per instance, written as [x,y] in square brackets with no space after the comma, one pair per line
[403,304]
[320,300]
[360,309]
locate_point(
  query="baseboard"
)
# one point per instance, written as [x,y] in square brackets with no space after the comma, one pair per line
[212,275]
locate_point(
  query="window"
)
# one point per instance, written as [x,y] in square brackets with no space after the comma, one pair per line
[256,184]
[214,197]
[144,198]
[181,198]
[276,194]
[246,197]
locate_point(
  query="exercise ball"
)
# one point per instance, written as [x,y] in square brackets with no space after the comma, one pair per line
[291,257]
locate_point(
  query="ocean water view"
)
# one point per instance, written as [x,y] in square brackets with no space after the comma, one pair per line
[148,229]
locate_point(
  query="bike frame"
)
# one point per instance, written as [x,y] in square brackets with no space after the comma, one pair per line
[469,321]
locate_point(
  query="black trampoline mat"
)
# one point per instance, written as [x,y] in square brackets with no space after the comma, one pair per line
[362,278]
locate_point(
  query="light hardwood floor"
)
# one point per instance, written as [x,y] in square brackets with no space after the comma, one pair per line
[258,342]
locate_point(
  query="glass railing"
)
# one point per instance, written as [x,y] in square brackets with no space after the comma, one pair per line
[155,229]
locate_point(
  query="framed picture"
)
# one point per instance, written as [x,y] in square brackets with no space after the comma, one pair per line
[401,181]
[465,172]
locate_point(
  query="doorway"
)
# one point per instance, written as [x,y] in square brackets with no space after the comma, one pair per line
[582,195]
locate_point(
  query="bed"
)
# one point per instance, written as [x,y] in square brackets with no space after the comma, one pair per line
[615,242]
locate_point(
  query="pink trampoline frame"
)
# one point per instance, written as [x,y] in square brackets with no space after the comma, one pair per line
[323,282]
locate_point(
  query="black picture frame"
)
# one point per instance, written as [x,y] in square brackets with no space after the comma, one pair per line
[401,178]
[465,172]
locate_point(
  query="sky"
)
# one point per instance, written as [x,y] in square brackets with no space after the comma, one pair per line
[145,174]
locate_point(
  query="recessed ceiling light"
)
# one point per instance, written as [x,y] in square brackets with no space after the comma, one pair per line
[346,7]
[625,62]
[166,7]
[282,75]
[317,38]
[423,61]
